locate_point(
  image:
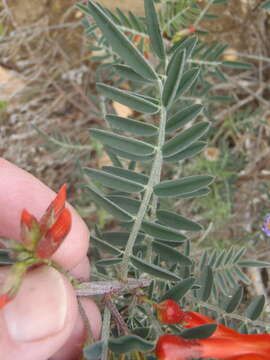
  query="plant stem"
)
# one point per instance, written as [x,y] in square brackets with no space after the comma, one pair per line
[110,287]
[116,314]
[203,12]
[105,334]
[153,180]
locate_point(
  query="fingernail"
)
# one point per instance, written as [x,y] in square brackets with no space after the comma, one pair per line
[39,309]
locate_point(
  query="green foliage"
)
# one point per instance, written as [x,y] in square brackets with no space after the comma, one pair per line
[173,99]
[177,93]
[266,5]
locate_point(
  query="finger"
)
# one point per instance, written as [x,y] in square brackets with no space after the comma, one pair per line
[40,318]
[72,349]
[20,190]
[82,270]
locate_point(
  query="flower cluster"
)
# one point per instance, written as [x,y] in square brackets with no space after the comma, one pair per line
[39,240]
[266,225]
[224,343]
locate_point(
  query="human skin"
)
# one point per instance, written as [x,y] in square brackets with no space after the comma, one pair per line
[43,321]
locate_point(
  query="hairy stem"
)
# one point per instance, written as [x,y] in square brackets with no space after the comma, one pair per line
[105,334]
[110,287]
[153,180]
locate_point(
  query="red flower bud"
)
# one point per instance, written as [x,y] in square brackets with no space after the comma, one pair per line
[169,312]
[12,282]
[192,29]
[4,299]
[30,231]
[54,236]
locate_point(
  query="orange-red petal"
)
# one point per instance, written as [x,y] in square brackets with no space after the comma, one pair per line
[55,235]
[172,347]
[191,319]
[4,299]
[54,210]
[30,230]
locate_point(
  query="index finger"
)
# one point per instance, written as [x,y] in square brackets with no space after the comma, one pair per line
[18,190]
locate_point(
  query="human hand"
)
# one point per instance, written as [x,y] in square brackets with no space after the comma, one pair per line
[42,321]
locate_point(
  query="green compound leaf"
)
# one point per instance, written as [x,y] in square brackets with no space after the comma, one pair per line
[108,262]
[129,155]
[94,351]
[185,139]
[206,283]
[119,238]
[129,74]
[179,290]
[154,270]
[129,343]
[266,5]
[128,98]
[108,205]
[123,143]
[199,332]
[237,65]
[104,246]
[127,174]
[254,263]
[220,98]
[162,232]
[188,44]
[171,255]
[235,300]
[120,42]
[154,28]
[176,221]
[255,308]
[132,126]
[182,117]
[190,151]
[113,181]
[188,79]
[198,193]
[174,77]
[127,204]
[241,275]
[187,185]
[141,331]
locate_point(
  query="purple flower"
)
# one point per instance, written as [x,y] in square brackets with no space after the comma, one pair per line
[266,225]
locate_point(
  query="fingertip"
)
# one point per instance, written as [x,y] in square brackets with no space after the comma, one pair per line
[41,317]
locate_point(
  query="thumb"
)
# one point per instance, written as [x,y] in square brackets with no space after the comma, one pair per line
[40,318]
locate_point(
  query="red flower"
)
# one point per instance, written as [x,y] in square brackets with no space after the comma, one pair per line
[169,312]
[40,239]
[224,343]
[241,347]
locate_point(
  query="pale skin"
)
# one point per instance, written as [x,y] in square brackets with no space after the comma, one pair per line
[43,321]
